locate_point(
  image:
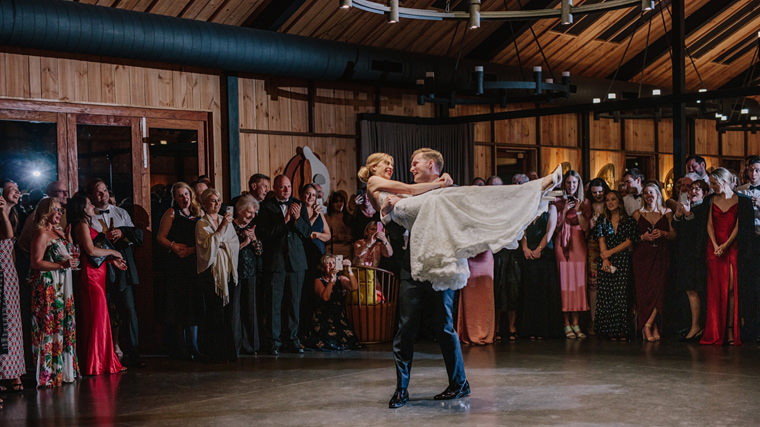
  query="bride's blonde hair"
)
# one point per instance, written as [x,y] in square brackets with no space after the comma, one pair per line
[372,160]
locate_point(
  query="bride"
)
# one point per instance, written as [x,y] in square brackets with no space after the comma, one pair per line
[449,224]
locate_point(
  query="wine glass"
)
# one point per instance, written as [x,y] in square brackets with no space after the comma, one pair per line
[652,242]
[75,257]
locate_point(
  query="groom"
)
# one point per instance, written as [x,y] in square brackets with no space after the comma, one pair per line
[426,167]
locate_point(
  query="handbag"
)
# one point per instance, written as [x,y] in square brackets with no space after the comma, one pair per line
[102,242]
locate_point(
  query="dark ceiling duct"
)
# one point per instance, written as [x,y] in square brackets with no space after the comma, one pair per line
[77,28]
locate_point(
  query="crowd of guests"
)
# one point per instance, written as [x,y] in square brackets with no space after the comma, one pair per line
[269,272]
[634,262]
[68,253]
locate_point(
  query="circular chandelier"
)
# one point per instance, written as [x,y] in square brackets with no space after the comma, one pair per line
[566,11]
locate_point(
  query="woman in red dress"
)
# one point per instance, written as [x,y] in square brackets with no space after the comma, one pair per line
[95,345]
[724,223]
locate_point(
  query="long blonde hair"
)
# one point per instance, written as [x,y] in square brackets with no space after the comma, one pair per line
[372,160]
[45,208]
[659,204]
[579,192]
[195,209]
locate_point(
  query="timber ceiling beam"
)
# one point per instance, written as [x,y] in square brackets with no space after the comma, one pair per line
[273,15]
[661,46]
[507,33]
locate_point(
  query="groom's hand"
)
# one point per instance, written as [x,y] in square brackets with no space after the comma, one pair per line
[446,180]
[388,204]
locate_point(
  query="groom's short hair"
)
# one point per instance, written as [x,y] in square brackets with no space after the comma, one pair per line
[430,154]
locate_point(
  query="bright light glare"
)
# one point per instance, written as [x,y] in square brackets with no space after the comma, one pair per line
[36,174]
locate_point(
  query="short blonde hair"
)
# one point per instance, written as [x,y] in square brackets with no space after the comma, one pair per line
[372,160]
[208,193]
[245,201]
[430,154]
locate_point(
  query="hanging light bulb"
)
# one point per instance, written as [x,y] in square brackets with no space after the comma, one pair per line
[345,4]
[566,17]
[393,14]
[647,5]
[474,21]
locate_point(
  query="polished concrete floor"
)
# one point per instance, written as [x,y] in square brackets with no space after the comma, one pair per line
[553,382]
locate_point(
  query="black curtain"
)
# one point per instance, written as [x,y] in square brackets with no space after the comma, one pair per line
[400,140]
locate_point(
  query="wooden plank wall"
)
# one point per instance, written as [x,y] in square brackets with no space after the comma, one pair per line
[70,80]
[277,113]
[274,122]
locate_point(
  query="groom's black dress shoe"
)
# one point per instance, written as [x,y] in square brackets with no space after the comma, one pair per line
[454,392]
[400,398]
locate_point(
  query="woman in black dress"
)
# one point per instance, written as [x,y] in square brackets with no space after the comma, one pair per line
[541,304]
[330,330]
[247,339]
[690,222]
[616,232]
[184,301]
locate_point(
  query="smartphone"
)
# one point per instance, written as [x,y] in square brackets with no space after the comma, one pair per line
[230,209]
[339,262]
[380,227]
[683,198]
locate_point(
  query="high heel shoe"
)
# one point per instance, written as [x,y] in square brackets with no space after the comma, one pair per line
[578,333]
[646,333]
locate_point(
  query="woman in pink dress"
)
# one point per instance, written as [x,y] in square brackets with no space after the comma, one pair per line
[95,350]
[570,251]
[476,322]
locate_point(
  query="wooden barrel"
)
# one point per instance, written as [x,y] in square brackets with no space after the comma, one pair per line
[372,308]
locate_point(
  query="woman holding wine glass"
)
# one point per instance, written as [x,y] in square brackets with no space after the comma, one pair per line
[96,350]
[651,260]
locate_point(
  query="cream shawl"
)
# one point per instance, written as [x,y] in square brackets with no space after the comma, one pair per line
[218,251]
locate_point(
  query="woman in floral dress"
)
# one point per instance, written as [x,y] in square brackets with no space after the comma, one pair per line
[53,326]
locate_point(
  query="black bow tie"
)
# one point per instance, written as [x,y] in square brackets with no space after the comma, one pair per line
[636,196]
[103,211]
[754,187]
[282,203]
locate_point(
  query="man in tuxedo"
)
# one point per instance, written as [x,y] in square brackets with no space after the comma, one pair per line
[117,225]
[283,224]
[414,296]
[633,180]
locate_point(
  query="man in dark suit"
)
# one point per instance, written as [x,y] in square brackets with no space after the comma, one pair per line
[414,296]
[283,224]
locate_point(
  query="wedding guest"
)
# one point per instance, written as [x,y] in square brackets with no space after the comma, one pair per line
[570,249]
[12,365]
[651,260]
[633,181]
[54,348]
[96,348]
[730,229]
[330,329]
[690,223]
[540,285]
[616,232]
[217,249]
[594,209]
[339,221]
[184,300]
[248,259]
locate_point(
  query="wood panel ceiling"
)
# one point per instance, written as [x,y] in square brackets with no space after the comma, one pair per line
[624,44]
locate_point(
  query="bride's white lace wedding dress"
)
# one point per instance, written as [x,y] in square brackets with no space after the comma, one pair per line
[449,225]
